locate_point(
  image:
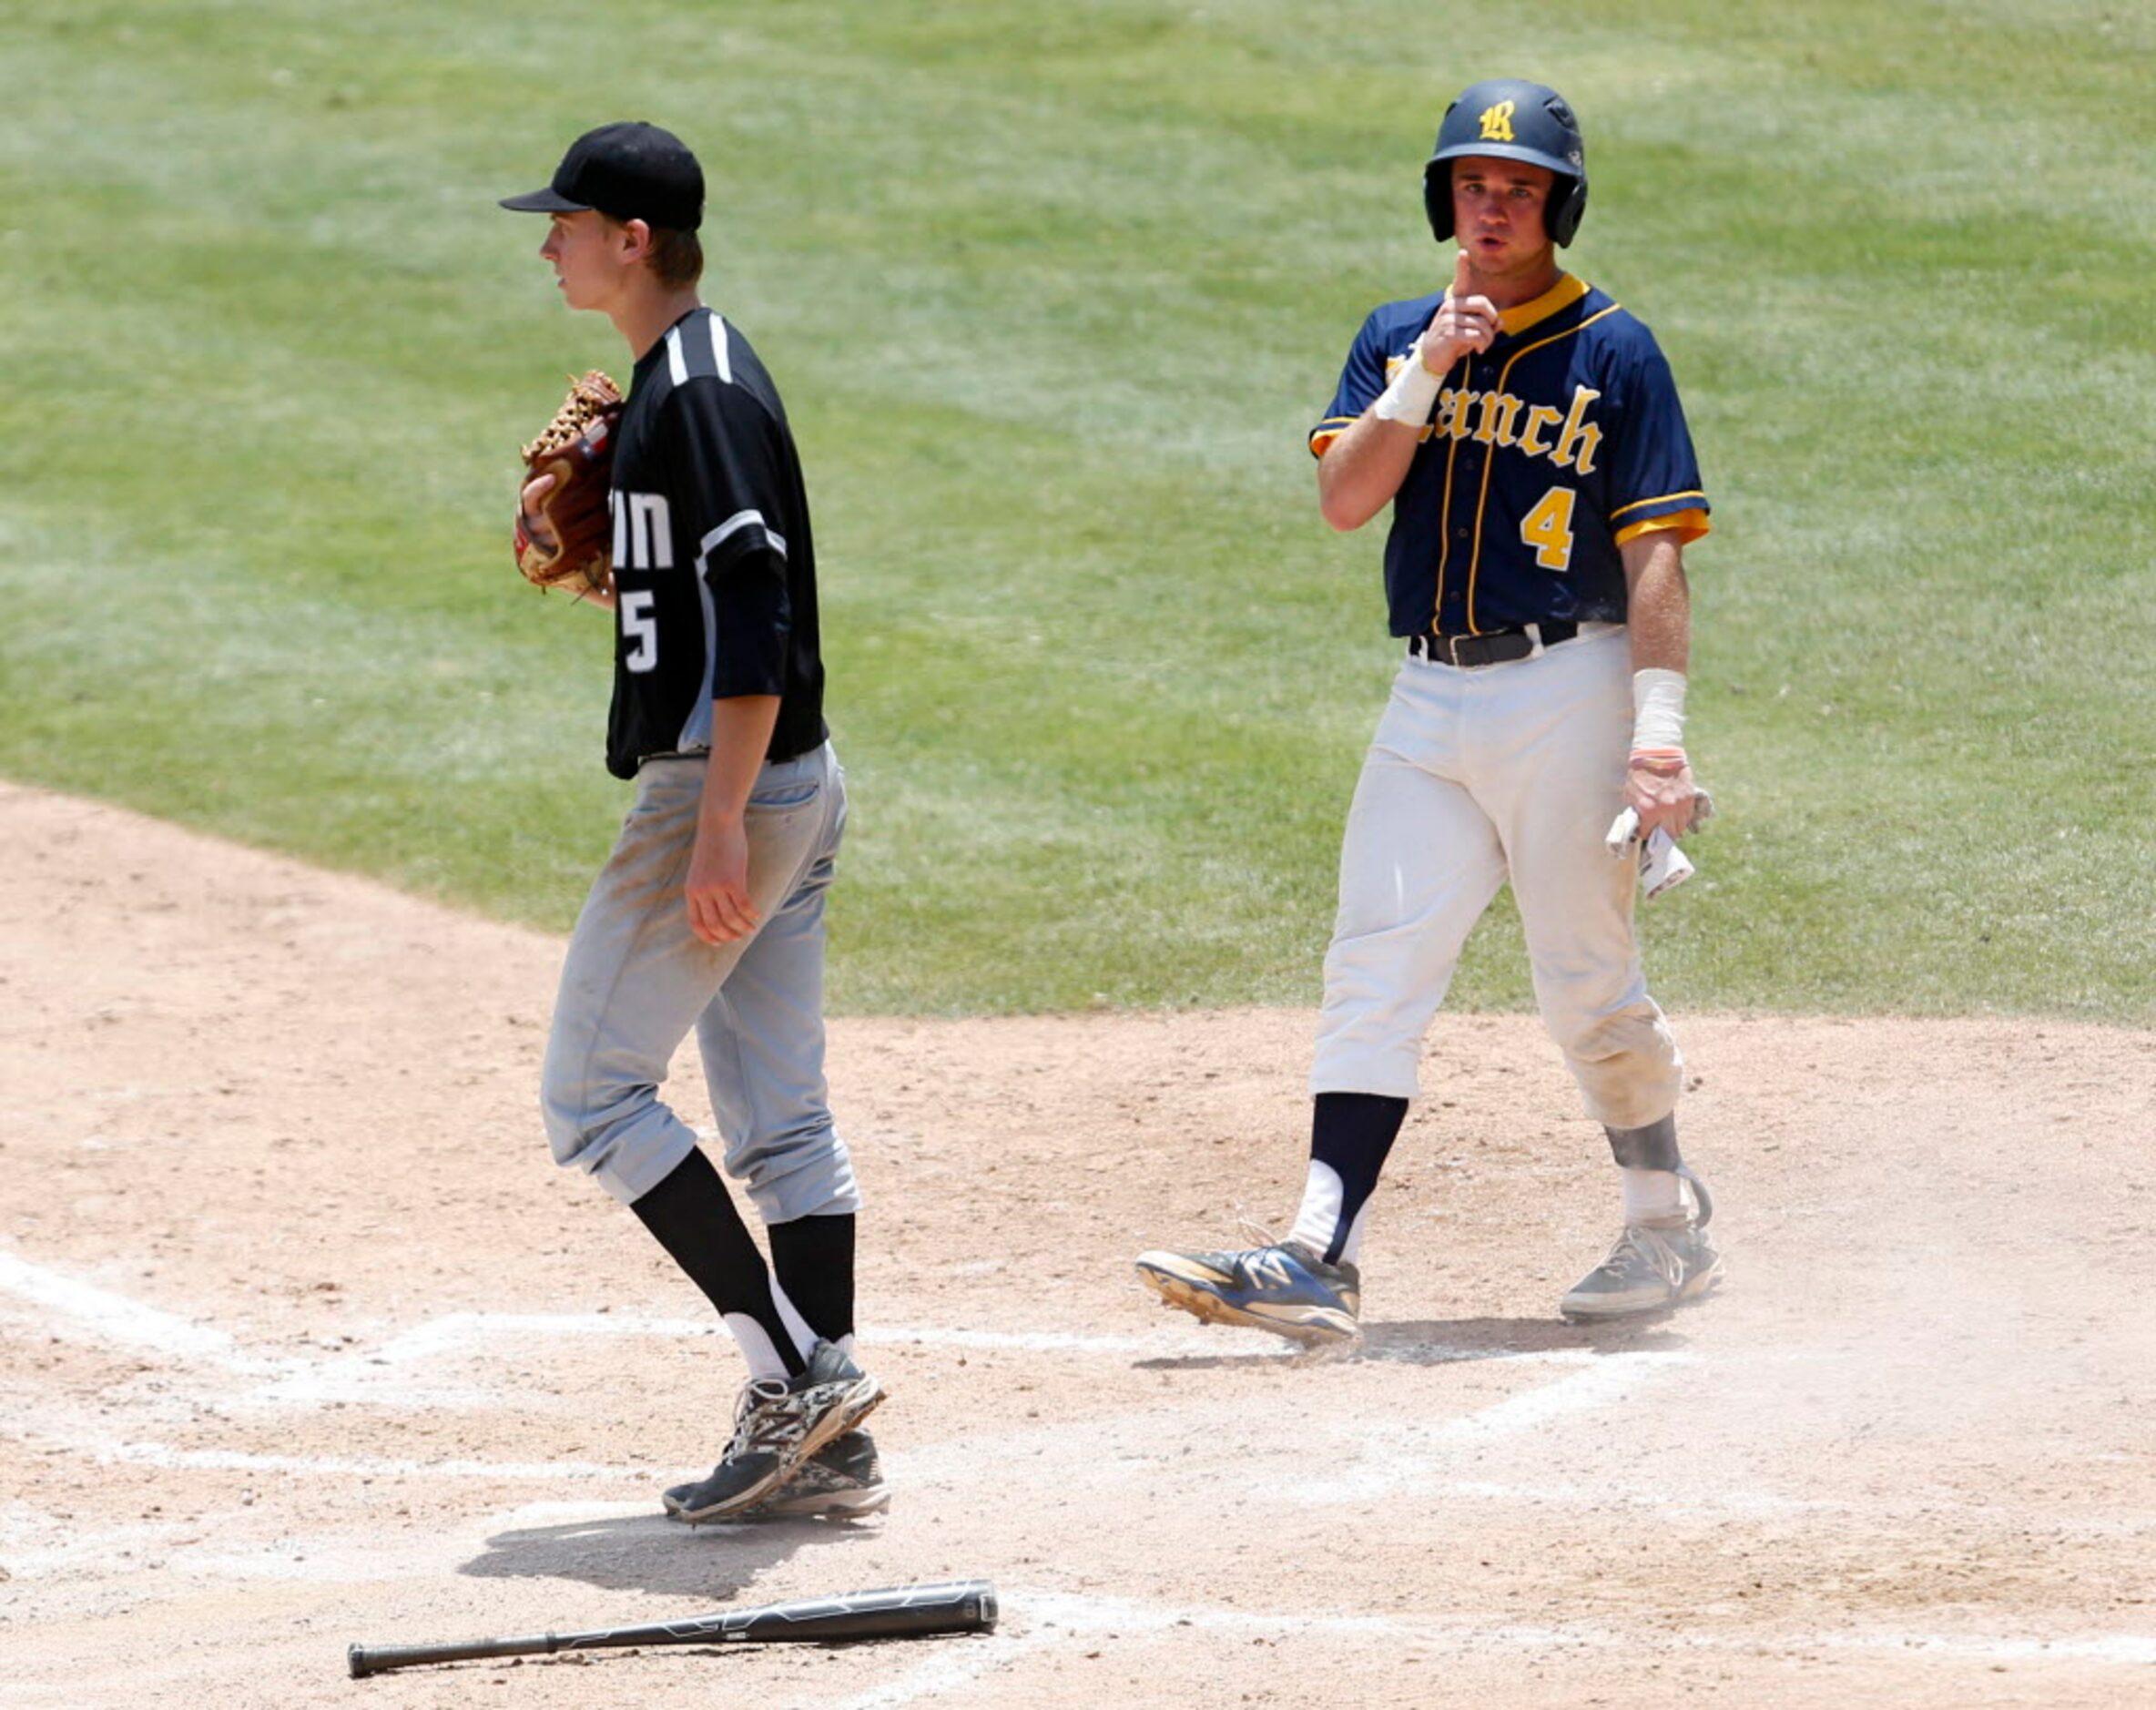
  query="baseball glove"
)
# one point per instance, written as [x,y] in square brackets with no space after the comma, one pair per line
[571,544]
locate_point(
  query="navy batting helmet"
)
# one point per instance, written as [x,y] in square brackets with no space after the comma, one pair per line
[1514,121]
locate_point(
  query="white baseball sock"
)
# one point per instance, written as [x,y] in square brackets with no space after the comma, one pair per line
[1317,1222]
[1655,1196]
[755,1346]
[1319,1217]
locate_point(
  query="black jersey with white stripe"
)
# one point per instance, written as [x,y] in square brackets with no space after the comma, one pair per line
[714,566]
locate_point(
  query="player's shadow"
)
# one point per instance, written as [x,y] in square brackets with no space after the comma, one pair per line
[649,1553]
[1444,1342]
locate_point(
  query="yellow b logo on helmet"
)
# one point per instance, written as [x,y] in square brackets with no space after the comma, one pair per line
[1496,122]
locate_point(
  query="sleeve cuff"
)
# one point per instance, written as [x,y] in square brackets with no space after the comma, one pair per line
[1328,431]
[1688,525]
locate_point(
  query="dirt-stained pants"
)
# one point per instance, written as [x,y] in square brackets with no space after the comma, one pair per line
[1507,771]
[636,980]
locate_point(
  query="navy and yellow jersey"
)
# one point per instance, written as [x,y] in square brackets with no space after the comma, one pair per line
[1545,453]
[714,565]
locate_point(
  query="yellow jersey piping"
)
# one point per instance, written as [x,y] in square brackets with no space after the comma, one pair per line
[1691,492]
[1482,497]
[1445,513]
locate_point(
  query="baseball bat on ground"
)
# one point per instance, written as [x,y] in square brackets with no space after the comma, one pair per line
[905,1611]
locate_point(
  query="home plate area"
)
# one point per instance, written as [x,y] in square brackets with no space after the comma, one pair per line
[305,1342]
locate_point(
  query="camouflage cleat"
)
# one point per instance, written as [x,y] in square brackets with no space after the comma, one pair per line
[779,1426]
[841,1480]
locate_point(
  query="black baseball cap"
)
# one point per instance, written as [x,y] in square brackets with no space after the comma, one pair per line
[631,170]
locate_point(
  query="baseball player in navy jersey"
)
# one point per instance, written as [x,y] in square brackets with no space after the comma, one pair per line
[1527,433]
[709,914]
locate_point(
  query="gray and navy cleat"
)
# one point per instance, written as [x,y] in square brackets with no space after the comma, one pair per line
[1651,1269]
[1283,1289]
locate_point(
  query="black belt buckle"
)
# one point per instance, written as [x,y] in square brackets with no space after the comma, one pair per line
[1467,653]
[1495,647]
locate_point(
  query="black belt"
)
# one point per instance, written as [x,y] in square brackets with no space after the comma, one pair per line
[1493,646]
[705,754]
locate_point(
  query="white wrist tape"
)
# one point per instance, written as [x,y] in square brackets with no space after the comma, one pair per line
[1412,395]
[1657,709]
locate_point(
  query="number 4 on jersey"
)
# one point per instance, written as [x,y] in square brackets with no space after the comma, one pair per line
[1548,529]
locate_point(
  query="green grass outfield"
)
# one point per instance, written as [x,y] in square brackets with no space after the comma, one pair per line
[1054,291]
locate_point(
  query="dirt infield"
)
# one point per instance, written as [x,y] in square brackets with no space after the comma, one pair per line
[306,1341]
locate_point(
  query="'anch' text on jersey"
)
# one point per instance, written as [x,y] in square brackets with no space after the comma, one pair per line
[1566,437]
[643,532]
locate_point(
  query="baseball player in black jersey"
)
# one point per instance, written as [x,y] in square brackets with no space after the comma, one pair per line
[709,913]
[1527,433]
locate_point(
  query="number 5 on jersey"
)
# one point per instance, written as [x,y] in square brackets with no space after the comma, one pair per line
[1548,529]
[640,629]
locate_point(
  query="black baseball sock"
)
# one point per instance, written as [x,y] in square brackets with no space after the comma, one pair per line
[1653,1148]
[1351,1134]
[814,1259]
[1647,1163]
[693,1216]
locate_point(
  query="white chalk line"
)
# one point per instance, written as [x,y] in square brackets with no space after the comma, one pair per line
[1081,1613]
[1051,1618]
[950,1666]
[1055,1615]
[954,1465]
[375,1375]
[116,1320]
[1037,1619]
[378,1376]
[361,1466]
[38,1545]
[948,1462]
[181,1552]
[1405,1455]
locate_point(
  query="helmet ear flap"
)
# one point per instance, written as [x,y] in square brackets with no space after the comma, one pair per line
[1437,198]
[1568,202]
[1437,181]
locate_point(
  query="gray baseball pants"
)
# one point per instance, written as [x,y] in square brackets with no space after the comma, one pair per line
[636,980]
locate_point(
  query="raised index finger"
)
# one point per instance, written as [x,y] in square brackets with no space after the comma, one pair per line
[1460,278]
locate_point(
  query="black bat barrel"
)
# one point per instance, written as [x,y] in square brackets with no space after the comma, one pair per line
[903,1611]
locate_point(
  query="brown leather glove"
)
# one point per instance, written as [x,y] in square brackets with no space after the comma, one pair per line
[569,542]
